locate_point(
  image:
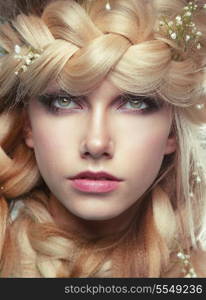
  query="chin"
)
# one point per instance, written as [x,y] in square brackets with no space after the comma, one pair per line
[92,216]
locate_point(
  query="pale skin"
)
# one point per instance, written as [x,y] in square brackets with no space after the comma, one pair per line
[99,136]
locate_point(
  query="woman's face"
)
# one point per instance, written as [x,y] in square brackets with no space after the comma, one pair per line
[101,132]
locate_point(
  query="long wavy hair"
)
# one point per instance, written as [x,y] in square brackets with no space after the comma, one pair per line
[82,43]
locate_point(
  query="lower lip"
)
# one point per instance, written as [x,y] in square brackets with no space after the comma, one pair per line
[95,186]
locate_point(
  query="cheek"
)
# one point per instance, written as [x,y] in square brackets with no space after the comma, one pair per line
[143,151]
[51,144]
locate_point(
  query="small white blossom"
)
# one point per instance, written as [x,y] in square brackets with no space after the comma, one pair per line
[187,38]
[200,106]
[199,46]
[186,8]
[170,23]
[24,68]
[17,49]
[179,23]
[180,255]
[108,6]
[188,276]
[198,179]
[173,36]
[178,18]
[204,6]
[162,23]
[28,61]
[199,33]
[188,14]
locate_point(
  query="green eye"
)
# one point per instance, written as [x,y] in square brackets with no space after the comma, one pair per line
[63,102]
[140,103]
[135,103]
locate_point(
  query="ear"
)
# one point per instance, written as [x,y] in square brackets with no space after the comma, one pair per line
[171,145]
[27,131]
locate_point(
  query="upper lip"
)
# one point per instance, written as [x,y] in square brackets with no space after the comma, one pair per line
[96,175]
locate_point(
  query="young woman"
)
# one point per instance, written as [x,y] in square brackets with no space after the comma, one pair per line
[101,169]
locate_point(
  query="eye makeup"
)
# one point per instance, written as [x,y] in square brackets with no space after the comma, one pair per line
[59,102]
[141,104]
[62,102]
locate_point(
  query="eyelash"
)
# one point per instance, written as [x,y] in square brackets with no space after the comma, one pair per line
[48,101]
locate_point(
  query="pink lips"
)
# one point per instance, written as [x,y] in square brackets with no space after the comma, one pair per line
[90,182]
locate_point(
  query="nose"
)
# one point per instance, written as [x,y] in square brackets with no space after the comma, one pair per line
[97,141]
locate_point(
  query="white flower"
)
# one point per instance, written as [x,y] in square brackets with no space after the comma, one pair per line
[198,179]
[199,33]
[188,14]
[170,23]
[187,38]
[204,6]
[179,20]
[181,255]
[162,23]
[28,61]
[173,35]
[108,6]
[17,49]
[24,68]
[188,276]
[199,46]
[187,8]
[200,106]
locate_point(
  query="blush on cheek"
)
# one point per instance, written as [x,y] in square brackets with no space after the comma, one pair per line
[151,153]
[156,144]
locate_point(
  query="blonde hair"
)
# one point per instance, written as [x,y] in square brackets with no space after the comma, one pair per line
[82,44]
